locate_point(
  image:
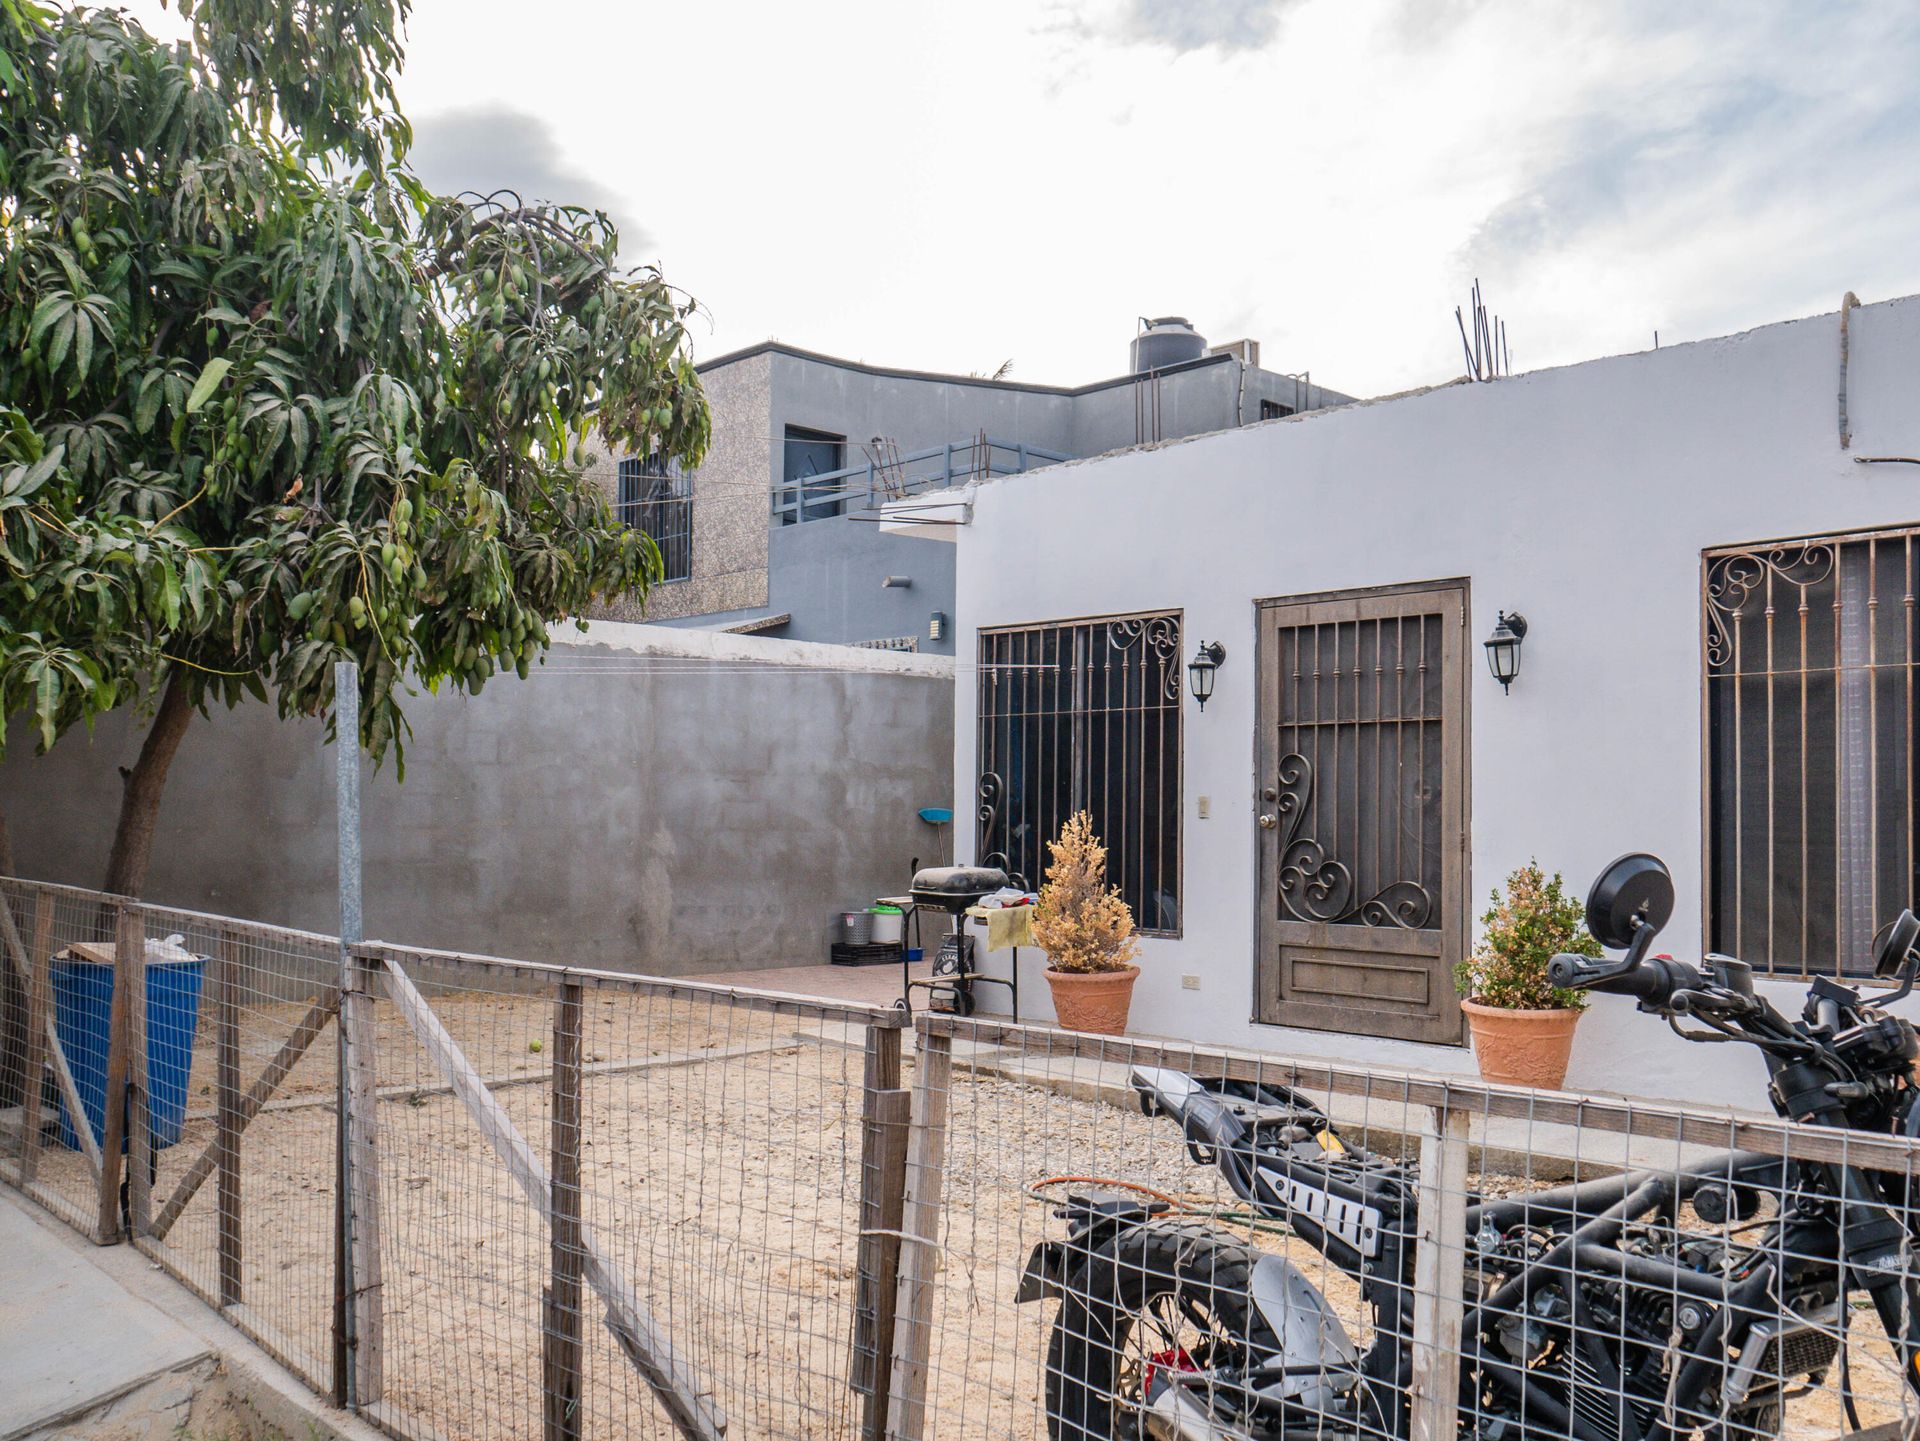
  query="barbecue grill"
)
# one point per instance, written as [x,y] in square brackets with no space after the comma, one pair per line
[955,889]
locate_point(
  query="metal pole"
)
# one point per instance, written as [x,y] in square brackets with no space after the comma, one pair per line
[346,712]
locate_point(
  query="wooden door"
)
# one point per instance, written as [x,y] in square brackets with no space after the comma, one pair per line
[1362,814]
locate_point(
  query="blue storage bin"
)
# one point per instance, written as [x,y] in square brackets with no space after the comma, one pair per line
[82,1013]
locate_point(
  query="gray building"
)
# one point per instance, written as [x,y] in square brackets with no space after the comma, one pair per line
[777,532]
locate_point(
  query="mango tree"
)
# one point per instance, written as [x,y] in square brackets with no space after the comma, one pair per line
[267,403]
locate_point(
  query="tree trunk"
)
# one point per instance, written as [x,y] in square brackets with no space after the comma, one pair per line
[142,789]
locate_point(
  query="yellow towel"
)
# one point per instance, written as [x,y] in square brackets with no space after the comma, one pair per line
[1007,926]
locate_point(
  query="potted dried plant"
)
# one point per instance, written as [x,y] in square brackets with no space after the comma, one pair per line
[1523,1024]
[1087,932]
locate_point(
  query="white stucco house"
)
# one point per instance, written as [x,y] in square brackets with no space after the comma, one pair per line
[1716,548]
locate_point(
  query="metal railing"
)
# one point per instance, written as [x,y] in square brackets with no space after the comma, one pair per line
[886,475]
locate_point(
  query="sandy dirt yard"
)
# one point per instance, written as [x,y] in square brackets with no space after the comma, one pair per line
[721,1179]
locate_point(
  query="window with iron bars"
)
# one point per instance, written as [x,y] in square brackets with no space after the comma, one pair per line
[657,498]
[1085,715]
[1811,658]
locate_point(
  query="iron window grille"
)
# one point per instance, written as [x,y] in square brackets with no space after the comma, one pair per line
[1810,658]
[1085,715]
[656,498]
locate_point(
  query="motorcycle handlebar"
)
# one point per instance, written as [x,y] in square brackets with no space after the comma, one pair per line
[1651,981]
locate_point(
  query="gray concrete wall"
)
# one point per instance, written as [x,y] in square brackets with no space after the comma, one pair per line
[827,574]
[914,411]
[670,802]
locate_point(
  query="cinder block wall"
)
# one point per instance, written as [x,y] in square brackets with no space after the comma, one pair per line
[669,802]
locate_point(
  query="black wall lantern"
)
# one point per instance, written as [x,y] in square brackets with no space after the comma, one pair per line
[1200,670]
[1503,648]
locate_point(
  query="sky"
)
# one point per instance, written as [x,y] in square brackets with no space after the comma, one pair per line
[949,187]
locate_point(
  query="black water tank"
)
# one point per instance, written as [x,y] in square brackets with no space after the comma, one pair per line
[1168,340]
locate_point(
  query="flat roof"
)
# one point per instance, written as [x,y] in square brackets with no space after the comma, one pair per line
[780,347]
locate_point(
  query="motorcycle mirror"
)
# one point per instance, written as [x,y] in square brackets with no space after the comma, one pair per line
[1895,946]
[1630,901]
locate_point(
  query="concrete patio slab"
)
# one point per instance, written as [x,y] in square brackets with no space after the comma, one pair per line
[71,1338]
[863,985]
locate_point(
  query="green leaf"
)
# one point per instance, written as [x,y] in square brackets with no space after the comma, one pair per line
[62,340]
[49,699]
[210,378]
[82,346]
[146,408]
[45,313]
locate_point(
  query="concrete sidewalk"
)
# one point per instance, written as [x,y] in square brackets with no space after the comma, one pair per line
[97,1342]
[72,1338]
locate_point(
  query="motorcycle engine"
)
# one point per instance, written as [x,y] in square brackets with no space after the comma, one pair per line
[1623,1331]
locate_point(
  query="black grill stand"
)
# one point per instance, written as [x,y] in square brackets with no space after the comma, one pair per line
[949,989]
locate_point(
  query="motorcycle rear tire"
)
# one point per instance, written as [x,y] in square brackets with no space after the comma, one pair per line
[1105,1297]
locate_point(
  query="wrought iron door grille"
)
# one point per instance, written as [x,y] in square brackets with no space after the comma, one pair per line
[1359,778]
[657,499]
[1085,715]
[1810,650]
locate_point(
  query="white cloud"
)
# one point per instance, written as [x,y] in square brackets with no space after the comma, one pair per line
[498,145]
[947,186]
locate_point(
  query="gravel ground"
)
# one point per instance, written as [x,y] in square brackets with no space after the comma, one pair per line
[722,1179]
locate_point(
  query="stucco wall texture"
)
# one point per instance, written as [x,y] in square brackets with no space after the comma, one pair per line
[1582,497]
[654,806]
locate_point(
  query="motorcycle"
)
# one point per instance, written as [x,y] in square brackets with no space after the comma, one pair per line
[1590,1313]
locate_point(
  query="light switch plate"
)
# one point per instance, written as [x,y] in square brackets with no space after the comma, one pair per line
[1189,983]
[1206,807]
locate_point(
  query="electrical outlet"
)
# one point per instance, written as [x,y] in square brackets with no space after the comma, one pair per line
[1189,983]
[1206,807]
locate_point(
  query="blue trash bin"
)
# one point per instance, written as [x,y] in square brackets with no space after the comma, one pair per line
[82,1013]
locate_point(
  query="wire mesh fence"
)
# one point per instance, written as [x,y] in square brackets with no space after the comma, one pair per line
[54,1044]
[587,1205]
[618,1207]
[1141,1240]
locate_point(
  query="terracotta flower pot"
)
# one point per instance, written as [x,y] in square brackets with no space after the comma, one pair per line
[1095,1001]
[1522,1048]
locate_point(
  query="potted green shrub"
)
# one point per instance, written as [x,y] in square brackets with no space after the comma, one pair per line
[1523,1024]
[1086,930]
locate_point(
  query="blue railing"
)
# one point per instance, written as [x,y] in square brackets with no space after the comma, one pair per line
[885,475]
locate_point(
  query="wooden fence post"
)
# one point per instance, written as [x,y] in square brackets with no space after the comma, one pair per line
[886,1111]
[359,1341]
[1439,1274]
[128,962]
[15,1027]
[227,1123]
[920,1246]
[39,1013]
[562,1336]
[139,1093]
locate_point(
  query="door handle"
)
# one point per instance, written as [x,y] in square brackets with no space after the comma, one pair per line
[1267,823]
